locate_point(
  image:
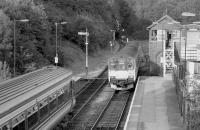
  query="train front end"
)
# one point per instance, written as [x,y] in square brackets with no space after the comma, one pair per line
[121,73]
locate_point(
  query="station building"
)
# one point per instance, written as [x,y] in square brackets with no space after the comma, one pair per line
[170,42]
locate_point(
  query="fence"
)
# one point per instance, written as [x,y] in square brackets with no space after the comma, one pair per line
[188,93]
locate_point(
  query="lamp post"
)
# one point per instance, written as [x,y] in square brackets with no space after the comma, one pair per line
[86,34]
[113,37]
[110,47]
[186,14]
[14,44]
[56,24]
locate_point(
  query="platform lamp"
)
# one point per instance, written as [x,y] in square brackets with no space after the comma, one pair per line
[111,46]
[14,45]
[186,14]
[56,24]
[113,37]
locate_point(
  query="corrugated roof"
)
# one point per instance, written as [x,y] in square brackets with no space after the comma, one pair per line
[17,90]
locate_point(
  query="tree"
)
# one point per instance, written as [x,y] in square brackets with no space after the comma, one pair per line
[5,38]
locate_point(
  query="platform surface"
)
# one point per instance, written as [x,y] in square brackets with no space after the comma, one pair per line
[154,105]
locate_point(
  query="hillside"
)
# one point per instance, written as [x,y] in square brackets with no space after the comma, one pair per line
[35,30]
[154,9]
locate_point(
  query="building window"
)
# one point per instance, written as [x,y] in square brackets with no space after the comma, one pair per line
[153,35]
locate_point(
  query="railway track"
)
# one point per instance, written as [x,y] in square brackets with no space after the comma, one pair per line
[104,111]
[97,107]
[83,114]
[84,94]
[112,113]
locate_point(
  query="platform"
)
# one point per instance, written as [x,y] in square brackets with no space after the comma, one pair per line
[154,105]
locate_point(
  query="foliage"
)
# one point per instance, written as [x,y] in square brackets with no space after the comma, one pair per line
[5,37]
[35,40]
[155,9]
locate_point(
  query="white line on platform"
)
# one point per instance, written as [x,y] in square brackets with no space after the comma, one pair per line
[129,112]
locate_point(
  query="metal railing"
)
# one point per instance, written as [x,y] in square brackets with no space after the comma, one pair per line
[188,94]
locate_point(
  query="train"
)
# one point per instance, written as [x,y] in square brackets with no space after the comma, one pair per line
[123,67]
[37,100]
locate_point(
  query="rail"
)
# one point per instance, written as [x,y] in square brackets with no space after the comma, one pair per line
[83,100]
[112,113]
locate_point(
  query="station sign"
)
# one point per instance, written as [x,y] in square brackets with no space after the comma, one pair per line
[56,59]
[83,33]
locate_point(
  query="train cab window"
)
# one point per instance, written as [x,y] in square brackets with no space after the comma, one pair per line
[114,64]
[121,67]
[122,63]
[130,63]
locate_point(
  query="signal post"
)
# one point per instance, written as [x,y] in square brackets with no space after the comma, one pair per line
[86,34]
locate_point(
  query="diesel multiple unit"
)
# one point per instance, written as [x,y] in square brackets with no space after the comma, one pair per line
[123,67]
[37,100]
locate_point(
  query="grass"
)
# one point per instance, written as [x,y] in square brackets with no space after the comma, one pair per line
[76,59]
[96,62]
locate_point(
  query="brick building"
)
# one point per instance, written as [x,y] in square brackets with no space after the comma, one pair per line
[164,37]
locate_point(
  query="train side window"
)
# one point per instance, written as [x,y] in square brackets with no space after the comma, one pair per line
[32,120]
[20,126]
[6,127]
[18,123]
[43,106]
[60,96]
[32,114]
[53,102]
[66,91]
[44,111]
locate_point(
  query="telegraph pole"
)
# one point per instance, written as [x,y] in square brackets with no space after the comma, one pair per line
[56,57]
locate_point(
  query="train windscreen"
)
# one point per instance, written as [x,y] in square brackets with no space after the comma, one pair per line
[121,63]
[130,64]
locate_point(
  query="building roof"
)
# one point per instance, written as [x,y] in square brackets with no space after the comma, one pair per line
[191,26]
[15,92]
[165,22]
